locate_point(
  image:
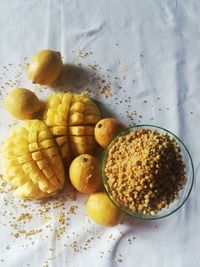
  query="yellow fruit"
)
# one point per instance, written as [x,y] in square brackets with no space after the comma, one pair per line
[81,130]
[77,107]
[60,140]
[91,119]
[105,130]
[76,118]
[58,130]
[27,190]
[78,149]
[83,111]
[72,116]
[84,173]
[82,144]
[101,209]
[83,140]
[20,180]
[24,158]
[57,109]
[91,109]
[22,104]
[33,165]
[65,150]
[45,67]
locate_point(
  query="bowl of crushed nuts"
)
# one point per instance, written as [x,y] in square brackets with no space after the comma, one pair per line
[147,172]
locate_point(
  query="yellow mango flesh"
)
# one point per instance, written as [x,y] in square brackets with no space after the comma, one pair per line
[32,162]
[69,115]
[81,130]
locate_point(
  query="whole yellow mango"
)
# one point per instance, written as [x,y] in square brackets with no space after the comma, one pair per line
[84,173]
[23,104]
[101,209]
[45,67]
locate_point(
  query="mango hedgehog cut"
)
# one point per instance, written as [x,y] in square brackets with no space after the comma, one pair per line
[32,162]
[71,119]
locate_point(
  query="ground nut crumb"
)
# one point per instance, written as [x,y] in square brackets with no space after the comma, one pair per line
[145,171]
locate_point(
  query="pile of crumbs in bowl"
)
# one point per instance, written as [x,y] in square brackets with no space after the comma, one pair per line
[145,171]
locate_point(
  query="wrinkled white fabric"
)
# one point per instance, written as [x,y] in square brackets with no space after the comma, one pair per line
[149,48]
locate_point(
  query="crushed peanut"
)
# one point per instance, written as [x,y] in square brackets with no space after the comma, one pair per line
[145,171]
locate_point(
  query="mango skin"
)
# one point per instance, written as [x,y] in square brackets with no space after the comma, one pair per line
[22,103]
[84,174]
[45,67]
[105,130]
[101,209]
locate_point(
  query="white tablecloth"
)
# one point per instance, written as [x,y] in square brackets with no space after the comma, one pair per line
[148,54]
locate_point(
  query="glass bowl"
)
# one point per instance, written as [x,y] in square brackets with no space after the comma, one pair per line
[183,194]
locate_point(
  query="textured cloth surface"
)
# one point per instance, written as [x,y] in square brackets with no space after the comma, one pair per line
[140,61]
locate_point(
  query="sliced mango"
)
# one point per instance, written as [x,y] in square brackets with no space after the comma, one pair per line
[50,152]
[19,180]
[67,98]
[38,177]
[81,130]
[33,147]
[32,162]
[61,140]
[55,161]
[13,171]
[78,149]
[21,131]
[24,158]
[27,190]
[9,153]
[43,135]
[91,119]
[10,162]
[50,121]
[54,100]
[91,110]
[32,137]
[60,119]
[58,130]
[83,140]
[80,97]
[77,107]
[57,109]
[37,155]
[47,143]
[76,118]
[66,151]
[20,141]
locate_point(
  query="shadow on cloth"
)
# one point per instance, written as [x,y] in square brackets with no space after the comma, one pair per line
[73,78]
